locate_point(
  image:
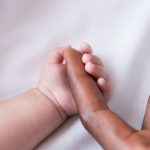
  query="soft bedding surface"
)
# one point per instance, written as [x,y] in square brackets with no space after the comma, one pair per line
[119,32]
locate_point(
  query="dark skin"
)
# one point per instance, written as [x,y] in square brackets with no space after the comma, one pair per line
[111,131]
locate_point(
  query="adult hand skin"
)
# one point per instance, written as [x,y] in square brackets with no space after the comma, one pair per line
[111,131]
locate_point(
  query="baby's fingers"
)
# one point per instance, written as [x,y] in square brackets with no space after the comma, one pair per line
[85,48]
[99,73]
[96,71]
[105,88]
[91,58]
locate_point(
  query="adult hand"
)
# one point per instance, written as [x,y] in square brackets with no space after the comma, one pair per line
[111,131]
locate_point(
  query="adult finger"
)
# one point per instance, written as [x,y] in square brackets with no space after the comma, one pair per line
[108,128]
[80,81]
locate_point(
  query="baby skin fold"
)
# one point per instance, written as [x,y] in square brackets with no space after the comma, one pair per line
[111,131]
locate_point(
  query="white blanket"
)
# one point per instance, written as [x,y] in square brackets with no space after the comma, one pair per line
[118,30]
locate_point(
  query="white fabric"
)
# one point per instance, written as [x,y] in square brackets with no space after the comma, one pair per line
[118,30]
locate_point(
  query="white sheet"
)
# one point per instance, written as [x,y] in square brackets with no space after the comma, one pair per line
[118,30]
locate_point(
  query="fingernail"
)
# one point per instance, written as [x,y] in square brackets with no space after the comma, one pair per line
[90,65]
[101,81]
[85,55]
[84,58]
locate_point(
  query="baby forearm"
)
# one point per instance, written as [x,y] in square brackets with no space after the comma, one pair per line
[26,120]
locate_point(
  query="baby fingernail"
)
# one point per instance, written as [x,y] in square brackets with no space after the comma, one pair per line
[86,57]
[101,81]
[90,65]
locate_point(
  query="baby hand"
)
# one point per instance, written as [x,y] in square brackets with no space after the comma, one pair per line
[54,84]
[94,66]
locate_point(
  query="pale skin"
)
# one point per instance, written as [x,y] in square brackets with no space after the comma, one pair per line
[29,118]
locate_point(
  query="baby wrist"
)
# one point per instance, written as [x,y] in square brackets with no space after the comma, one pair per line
[53,100]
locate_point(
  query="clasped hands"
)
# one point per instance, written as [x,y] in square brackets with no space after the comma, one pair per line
[81,85]
[71,82]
